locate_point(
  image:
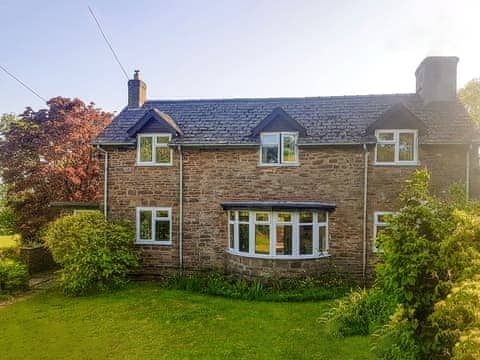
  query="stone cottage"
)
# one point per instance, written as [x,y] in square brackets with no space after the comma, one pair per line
[279,186]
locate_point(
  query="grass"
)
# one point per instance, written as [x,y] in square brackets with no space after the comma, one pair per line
[8,241]
[145,321]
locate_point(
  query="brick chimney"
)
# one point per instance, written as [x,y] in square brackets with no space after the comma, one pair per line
[437,78]
[137,91]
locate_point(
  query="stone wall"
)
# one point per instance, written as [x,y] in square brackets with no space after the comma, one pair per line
[211,176]
[446,163]
[256,268]
[131,186]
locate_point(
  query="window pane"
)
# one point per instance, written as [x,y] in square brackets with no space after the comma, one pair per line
[322,216]
[289,148]
[162,230]
[262,239]
[382,218]
[270,139]
[243,216]
[145,225]
[146,149]
[383,229]
[322,239]
[284,239]
[269,154]
[306,217]
[162,155]
[161,213]
[385,152]
[385,136]
[284,217]
[261,216]
[406,147]
[243,237]
[306,240]
[162,139]
[232,236]
[232,215]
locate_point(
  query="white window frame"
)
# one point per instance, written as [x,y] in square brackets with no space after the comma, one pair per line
[154,146]
[280,136]
[295,222]
[154,218]
[396,143]
[377,224]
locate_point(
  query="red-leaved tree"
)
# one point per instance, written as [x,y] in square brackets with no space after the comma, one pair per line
[47,156]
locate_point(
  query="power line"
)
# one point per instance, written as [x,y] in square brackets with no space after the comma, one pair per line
[23,84]
[107,41]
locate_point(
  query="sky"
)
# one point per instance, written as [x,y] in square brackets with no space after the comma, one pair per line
[228,49]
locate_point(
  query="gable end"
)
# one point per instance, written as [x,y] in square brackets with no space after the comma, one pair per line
[279,120]
[155,121]
[398,116]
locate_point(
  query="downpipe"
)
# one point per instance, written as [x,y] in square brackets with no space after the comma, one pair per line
[105,181]
[365,189]
[180,212]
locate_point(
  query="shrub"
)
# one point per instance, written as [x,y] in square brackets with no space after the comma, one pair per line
[363,312]
[13,276]
[7,221]
[431,246]
[456,322]
[398,338]
[95,254]
[218,284]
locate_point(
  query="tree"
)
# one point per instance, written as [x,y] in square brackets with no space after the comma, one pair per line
[7,216]
[46,156]
[469,95]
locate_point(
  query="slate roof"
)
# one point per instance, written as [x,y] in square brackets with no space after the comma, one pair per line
[328,120]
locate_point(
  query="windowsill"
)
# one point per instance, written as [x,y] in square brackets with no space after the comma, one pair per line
[279,257]
[407,163]
[152,164]
[155,243]
[279,165]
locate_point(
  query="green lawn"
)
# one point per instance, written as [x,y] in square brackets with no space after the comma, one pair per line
[7,241]
[145,321]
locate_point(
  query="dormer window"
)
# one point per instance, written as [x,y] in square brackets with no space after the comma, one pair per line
[153,150]
[396,147]
[279,148]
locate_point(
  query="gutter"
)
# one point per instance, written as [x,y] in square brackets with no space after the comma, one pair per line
[365,190]
[180,220]
[105,182]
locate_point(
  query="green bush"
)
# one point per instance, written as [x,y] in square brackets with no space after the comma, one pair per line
[431,246]
[95,254]
[456,322]
[7,216]
[398,338]
[7,221]
[13,276]
[218,284]
[363,312]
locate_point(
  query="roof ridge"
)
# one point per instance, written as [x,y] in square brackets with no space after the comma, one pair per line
[276,98]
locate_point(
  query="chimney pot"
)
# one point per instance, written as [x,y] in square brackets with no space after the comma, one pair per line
[436,79]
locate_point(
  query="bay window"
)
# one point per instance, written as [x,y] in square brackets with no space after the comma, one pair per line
[278,148]
[279,234]
[396,147]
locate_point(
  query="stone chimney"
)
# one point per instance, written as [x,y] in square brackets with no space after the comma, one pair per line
[137,91]
[437,78]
